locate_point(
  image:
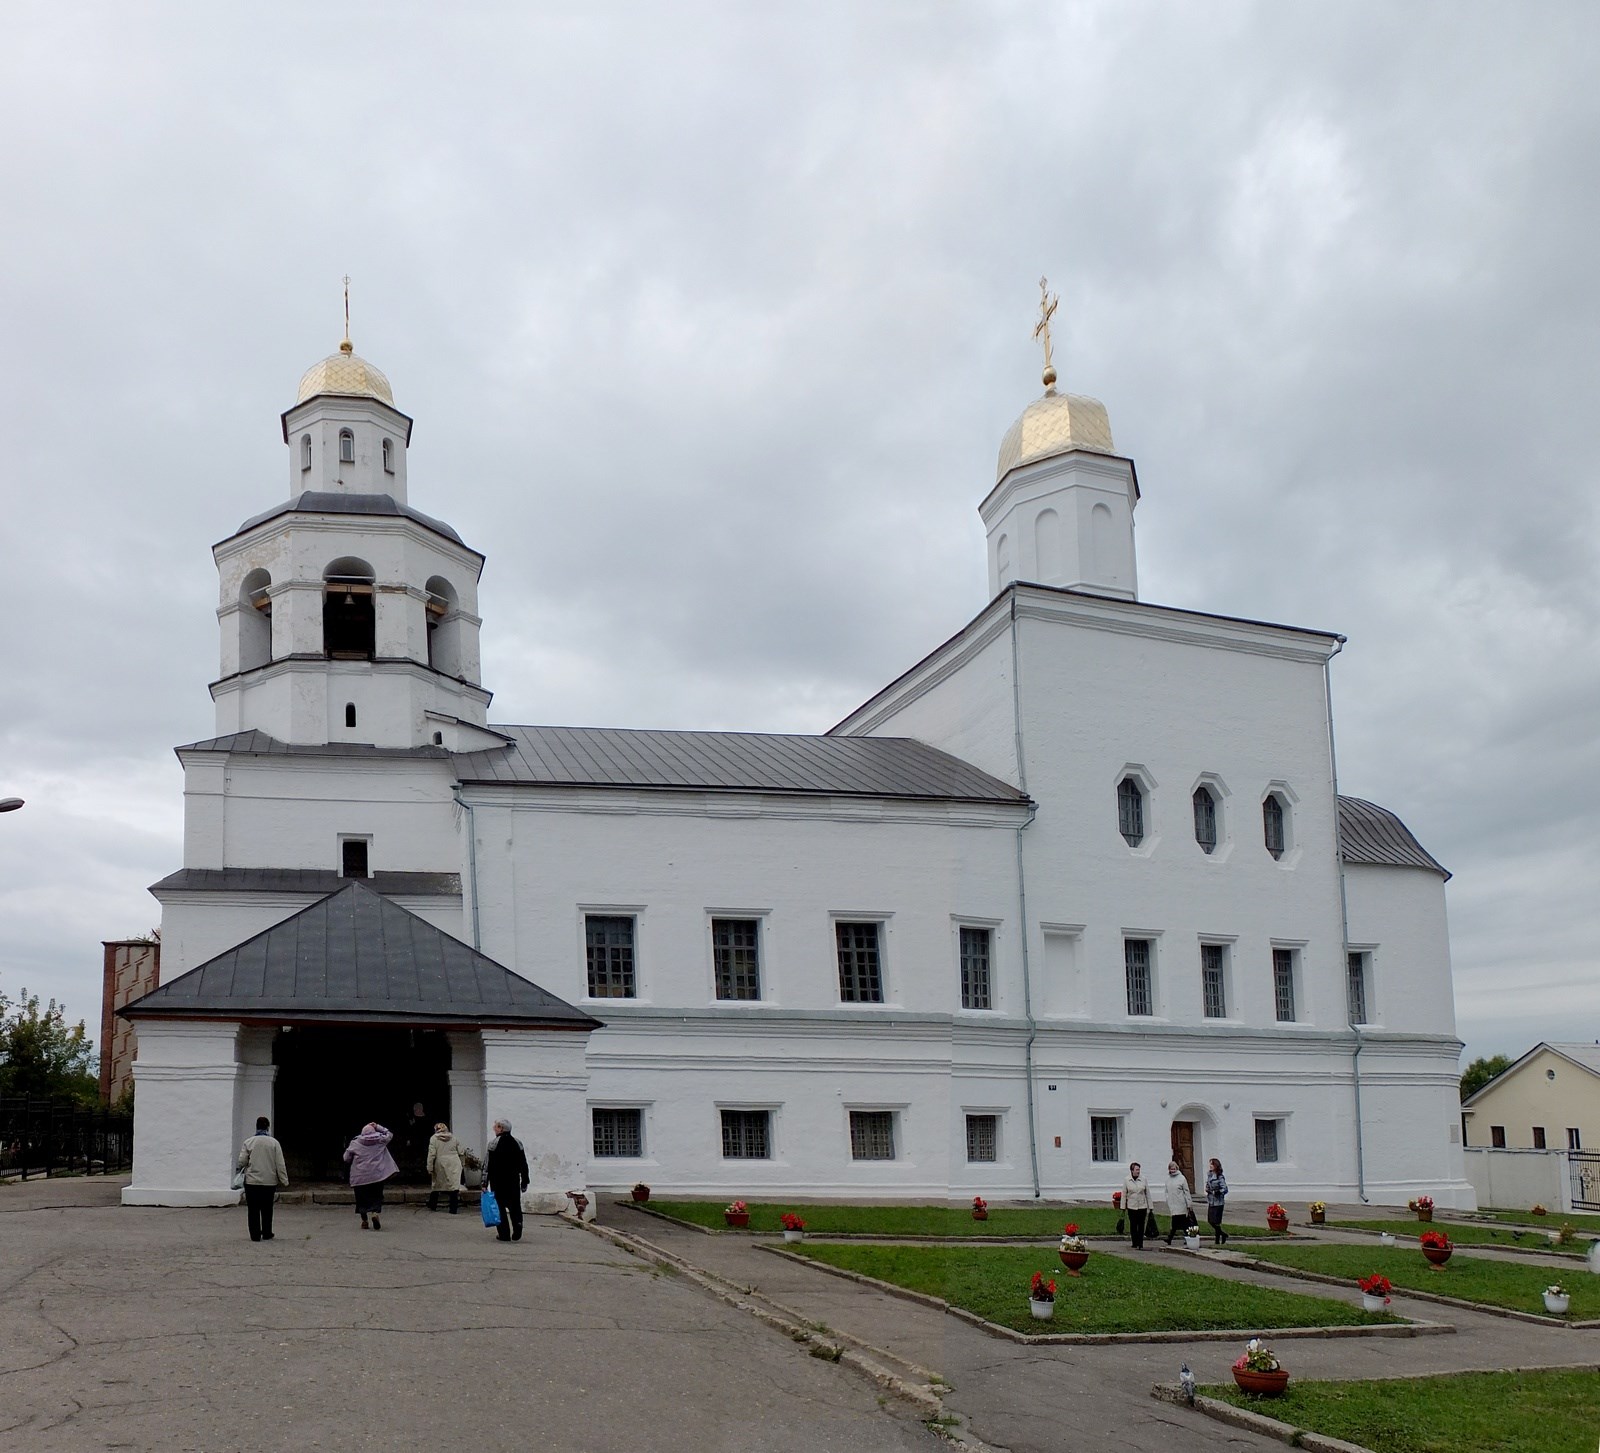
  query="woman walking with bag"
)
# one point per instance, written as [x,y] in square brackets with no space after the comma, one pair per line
[370,1166]
[1136,1202]
[1216,1195]
[1180,1201]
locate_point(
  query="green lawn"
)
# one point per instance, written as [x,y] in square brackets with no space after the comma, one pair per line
[1466,1234]
[1553,1222]
[1471,1412]
[1114,1294]
[944,1221]
[1516,1285]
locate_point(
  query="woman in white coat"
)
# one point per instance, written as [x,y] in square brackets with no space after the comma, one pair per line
[1180,1201]
[1136,1203]
[444,1167]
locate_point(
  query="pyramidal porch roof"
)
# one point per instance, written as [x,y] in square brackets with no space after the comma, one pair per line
[354,957]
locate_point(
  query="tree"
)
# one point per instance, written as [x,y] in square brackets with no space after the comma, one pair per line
[44,1056]
[1481,1071]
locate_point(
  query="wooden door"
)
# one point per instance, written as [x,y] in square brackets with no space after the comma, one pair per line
[1183,1148]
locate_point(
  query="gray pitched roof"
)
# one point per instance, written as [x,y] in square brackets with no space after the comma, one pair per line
[260,744]
[304,880]
[356,958]
[1373,835]
[733,762]
[329,502]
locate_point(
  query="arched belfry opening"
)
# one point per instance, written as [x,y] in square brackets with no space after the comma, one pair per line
[255,620]
[444,626]
[349,618]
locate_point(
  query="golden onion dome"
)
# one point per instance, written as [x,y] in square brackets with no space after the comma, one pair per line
[344,373]
[1055,424]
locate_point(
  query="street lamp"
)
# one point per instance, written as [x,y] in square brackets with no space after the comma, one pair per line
[10,804]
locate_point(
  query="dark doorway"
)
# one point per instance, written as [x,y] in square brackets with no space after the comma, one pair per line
[333,1079]
[1183,1148]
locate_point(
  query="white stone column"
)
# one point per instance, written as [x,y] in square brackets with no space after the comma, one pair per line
[469,1109]
[538,1079]
[186,1087]
[257,1076]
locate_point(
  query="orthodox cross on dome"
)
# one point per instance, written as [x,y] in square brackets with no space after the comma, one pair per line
[1041,329]
[348,347]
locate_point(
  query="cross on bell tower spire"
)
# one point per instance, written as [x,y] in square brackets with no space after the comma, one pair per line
[347,346]
[1041,329]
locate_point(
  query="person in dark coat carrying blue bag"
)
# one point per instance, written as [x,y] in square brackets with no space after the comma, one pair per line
[505,1168]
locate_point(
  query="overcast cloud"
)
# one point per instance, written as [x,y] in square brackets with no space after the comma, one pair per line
[712,318]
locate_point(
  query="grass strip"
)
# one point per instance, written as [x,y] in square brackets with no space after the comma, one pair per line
[1114,1293]
[944,1221]
[1554,1221]
[1545,1411]
[1514,1285]
[1467,1234]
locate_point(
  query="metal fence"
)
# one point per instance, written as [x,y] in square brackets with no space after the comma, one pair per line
[60,1137]
[1583,1166]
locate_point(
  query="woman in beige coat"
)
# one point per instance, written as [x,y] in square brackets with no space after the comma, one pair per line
[444,1167]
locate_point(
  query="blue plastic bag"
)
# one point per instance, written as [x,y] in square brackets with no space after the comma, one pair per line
[489,1207]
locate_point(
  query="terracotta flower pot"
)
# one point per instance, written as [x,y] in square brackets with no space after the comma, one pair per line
[980,1215]
[740,1219]
[1277,1223]
[1438,1255]
[1424,1213]
[641,1193]
[1262,1384]
[1319,1218]
[1074,1260]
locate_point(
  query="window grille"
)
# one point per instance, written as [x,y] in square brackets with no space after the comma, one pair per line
[1272,825]
[975,968]
[1538,1137]
[1136,963]
[745,1135]
[347,447]
[618,1133]
[1103,1138]
[1283,984]
[1212,981]
[860,969]
[1266,1142]
[1205,819]
[610,952]
[735,951]
[1356,987]
[983,1137]
[872,1135]
[1130,812]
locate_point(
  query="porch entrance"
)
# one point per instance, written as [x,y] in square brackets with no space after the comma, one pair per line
[332,1079]
[1183,1148]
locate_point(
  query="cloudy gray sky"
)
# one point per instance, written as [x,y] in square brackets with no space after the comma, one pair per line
[711,319]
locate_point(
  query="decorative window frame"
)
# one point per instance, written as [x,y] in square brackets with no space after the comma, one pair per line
[771,1109]
[1158,1006]
[884,920]
[1080,997]
[1296,948]
[1369,975]
[1147,785]
[645,1109]
[1120,1120]
[998,1113]
[354,837]
[958,921]
[635,911]
[1281,1119]
[1289,800]
[347,436]
[898,1112]
[763,965]
[1230,978]
[1223,812]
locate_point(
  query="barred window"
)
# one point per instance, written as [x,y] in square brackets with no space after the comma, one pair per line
[1136,966]
[618,1133]
[1283,984]
[746,1135]
[1205,819]
[1356,987]
[1213,981]
[1103,1138]
[1130,811]
[872,1135]
[1272,824]
[1266,1142]
[735,949]
[975,944]
[860,966]
[610,949]
[983,1137]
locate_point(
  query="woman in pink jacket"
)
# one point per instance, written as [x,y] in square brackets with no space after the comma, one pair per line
[370,1166]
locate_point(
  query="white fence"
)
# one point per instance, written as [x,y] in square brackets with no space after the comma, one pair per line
[1517,1179]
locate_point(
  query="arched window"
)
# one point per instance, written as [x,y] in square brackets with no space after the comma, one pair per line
[349,620]
[1002,560]
[444,627]
[347,447]
[349,713]
[388,455]
[1272,823]
[1205,819]
[255,621]
[305,451]
[1130,811]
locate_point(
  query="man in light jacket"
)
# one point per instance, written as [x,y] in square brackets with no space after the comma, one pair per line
[261,1160]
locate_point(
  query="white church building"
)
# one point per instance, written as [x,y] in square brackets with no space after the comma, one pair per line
[1075,889]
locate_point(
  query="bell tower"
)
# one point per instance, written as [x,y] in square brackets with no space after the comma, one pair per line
[348,616]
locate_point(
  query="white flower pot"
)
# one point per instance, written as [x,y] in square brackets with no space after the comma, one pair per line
[1594,1257]
[1191,1243]
[1385,1239]
[794,1235]
[1556,1306]
[1370,1303]
[1042,1311]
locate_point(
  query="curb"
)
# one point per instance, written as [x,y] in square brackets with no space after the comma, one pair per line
[1102,1339]
[1256,1422]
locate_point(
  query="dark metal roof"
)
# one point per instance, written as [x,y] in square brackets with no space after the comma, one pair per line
[330,502]
[304,880]
[732,762]
[259,744]
[356,958]
[1373,835]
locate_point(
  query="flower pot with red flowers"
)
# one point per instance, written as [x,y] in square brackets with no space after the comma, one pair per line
[1074,1250]
[980,1209]
[1436,1247]
[794,1229]
[737,1215]
[1258,1371]
[1041,1297]
[1375,1291]
[1423,1206]
[1277,1218]
[641,1192]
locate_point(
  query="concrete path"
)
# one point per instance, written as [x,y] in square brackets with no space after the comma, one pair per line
[147,1329]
